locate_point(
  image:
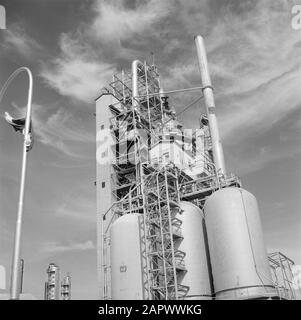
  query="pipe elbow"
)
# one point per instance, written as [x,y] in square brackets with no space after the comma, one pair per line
[135,64]
[198,36]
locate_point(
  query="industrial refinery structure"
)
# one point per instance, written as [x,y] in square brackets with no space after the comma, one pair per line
[172,223]
[54,289]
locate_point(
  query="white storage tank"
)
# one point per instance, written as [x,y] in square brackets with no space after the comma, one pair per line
[126,267]
[195,246]
[238,256]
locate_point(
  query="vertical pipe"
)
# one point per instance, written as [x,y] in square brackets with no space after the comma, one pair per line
[123,88]
[135,83]
[21,275]
[147,96]
[46,291]
[218,154]
[114,85]
[135,92]
[161,95]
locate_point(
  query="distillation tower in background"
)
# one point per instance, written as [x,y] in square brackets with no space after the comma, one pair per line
[52,285]
[66,287]
[54,289]
[171,222]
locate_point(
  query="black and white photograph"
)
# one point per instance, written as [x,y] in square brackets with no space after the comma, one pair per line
[150,150]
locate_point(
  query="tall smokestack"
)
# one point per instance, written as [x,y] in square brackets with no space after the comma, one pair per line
[218,154]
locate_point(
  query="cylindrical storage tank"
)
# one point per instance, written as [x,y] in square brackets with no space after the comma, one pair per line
[126,269]
[195,246]
[238,256]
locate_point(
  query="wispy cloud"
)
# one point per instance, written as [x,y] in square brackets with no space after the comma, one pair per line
[53,247]
[16,39]
[246,163]
[76,73]
[62,125]
[78,205]
[89,56]
[129,20]
[260,109]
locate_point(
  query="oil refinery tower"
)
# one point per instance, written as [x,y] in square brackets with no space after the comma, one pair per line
[54,290]
[171,222]
[52,284]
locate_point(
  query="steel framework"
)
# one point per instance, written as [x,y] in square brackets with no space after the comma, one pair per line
[162,230]
[152,189]
[282,274]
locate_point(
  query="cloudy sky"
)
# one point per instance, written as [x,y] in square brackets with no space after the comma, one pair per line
[74,46]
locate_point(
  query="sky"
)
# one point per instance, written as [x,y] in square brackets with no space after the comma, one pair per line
[74,47]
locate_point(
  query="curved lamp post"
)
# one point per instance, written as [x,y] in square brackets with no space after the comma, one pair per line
[15,272]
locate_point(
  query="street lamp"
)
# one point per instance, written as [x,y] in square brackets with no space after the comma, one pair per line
[15,272]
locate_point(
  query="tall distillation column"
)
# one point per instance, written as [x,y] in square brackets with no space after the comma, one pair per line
[66,287]
[52,286]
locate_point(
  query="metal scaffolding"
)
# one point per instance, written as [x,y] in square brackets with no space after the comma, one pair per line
[129,148]
[151,189]
[162,229]
[282,274]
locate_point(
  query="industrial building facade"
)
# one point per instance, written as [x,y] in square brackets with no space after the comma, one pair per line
[171,222]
